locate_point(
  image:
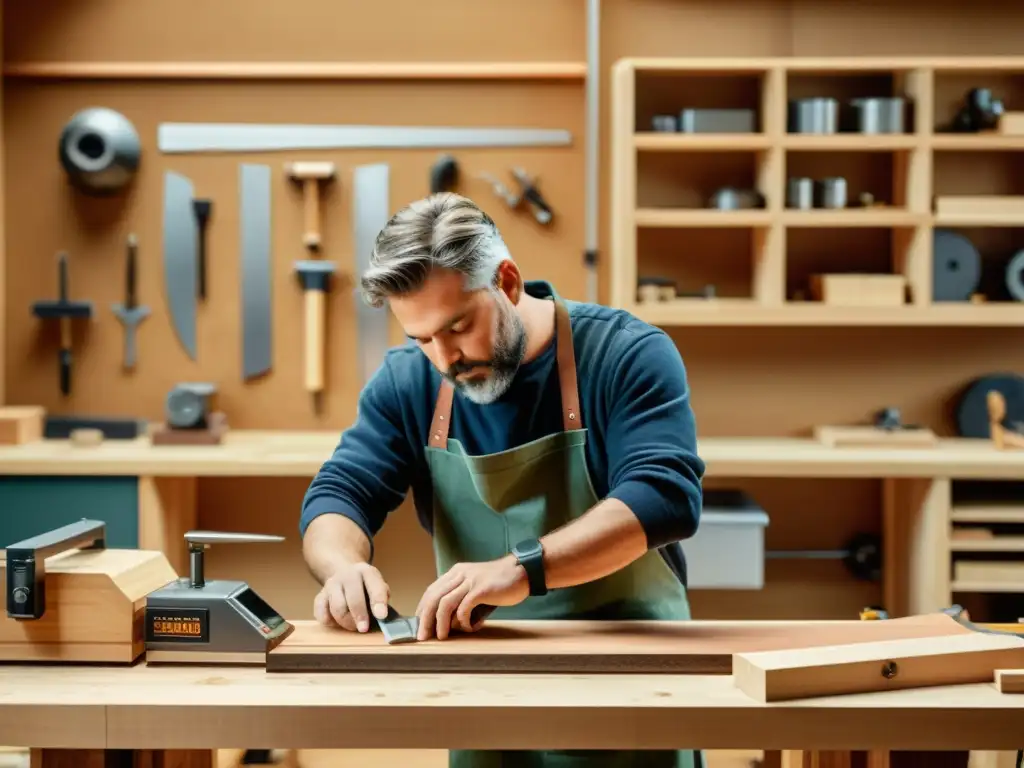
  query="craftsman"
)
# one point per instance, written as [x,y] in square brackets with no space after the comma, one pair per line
[548,494]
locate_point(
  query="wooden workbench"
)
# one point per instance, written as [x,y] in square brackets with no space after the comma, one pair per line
[301,454]
[205,708]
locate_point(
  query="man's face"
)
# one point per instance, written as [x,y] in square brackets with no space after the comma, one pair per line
[475,339]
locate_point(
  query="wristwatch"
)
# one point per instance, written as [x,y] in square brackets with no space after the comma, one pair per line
[530,555]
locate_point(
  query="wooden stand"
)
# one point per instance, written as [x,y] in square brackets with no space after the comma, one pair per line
[21,424]
[1001,436]
[95,603]
[216,428]
[874,437]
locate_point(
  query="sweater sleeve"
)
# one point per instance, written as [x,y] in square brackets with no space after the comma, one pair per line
[653,466]
[369,472]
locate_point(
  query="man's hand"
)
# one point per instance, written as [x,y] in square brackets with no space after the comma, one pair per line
[448,603]
[342,600]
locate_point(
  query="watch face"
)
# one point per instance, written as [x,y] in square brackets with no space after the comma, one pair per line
[529,548]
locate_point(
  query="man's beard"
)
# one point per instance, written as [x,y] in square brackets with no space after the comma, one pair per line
[509,350]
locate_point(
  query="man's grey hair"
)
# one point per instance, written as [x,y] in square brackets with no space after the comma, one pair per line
[443,231]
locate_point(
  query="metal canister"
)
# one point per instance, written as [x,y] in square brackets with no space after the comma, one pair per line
[664,124]
[877,115]
[831,192]
[815,115]
[800,193]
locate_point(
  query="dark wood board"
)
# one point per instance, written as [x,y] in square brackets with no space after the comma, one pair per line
[586,647]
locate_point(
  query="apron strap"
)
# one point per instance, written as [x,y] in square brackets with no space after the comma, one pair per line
[566,358]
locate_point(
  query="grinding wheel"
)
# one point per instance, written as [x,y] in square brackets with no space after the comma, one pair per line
[1015,276]
[99,151]
[956,267]
[972,410]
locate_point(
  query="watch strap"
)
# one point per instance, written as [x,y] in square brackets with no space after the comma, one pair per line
[530,555]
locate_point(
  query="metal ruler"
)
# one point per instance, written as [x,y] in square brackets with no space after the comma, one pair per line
[254,207]
[370,212]
[181,233]
[247,137]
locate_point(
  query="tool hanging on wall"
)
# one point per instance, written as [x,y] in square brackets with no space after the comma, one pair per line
[64,311]
[310,176]
[862,556]
[181,238]
[176,138]
[370,211]
[99,151]
[202,210]
[255,217]
[528,192]
[130,313]
[315,278]
[444,174]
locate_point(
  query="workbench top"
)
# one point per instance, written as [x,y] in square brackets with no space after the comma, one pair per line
[210,707]
[300,454]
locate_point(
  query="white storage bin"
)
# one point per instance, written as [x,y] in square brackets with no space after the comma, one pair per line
[727,552]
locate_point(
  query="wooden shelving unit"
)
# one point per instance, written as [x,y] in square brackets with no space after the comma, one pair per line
[760,260]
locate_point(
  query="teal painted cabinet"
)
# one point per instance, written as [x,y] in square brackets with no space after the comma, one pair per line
[36,504]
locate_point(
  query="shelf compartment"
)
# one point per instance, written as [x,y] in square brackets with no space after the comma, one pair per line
[688,181]
[727,259]
[820,251]
[996,246]
[845,86]
[990,172]
[669,93]
[877,173]
[952,86]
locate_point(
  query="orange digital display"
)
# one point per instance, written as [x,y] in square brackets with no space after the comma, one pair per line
[177,627]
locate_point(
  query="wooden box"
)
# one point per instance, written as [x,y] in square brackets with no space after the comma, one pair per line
[859,290]
[21,424]
[95,606]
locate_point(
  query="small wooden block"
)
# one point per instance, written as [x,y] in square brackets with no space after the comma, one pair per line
[882,666]
[217,427]
[83,438]
[873,437]
[981,208]
[1010,680]
[21,424]
[1011,124]
[856,290]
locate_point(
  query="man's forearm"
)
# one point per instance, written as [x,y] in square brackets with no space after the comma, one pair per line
[331,542]
[604,540]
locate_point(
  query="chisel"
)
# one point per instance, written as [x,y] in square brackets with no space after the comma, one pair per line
[64,311]
[130,313]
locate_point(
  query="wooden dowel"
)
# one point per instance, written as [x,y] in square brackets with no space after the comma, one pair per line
[242,70]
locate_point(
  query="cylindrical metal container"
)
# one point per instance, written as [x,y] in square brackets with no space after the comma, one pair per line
[664,123]
[831,193]
[800,193]
[877,115]
[816,115]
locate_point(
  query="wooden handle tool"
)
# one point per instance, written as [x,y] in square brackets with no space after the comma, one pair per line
[315,279]
[310,175]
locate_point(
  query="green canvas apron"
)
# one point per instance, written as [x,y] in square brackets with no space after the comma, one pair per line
[484,505]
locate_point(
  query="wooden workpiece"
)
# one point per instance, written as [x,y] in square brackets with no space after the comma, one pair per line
[886,665]
[1010,680]
[690,647]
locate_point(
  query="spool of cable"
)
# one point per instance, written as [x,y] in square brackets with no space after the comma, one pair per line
[99,151]
[972,410]
[956,267]
[1015,276]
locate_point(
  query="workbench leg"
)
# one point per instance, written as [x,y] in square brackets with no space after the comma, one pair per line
[167,509]
[122,758]
[915,545]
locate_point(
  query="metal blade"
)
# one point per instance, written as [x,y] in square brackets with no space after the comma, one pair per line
[370,212]
[254,194]
[246,137]
[180,242]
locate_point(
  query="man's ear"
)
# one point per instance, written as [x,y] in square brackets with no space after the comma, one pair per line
[509,281]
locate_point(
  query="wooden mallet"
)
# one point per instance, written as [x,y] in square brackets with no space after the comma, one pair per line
[310,175]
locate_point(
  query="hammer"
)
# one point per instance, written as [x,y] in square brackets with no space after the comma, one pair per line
[315,278]
[310,174]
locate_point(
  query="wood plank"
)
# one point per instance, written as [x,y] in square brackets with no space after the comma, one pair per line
[583,647]
[1010,680]
[876,666]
